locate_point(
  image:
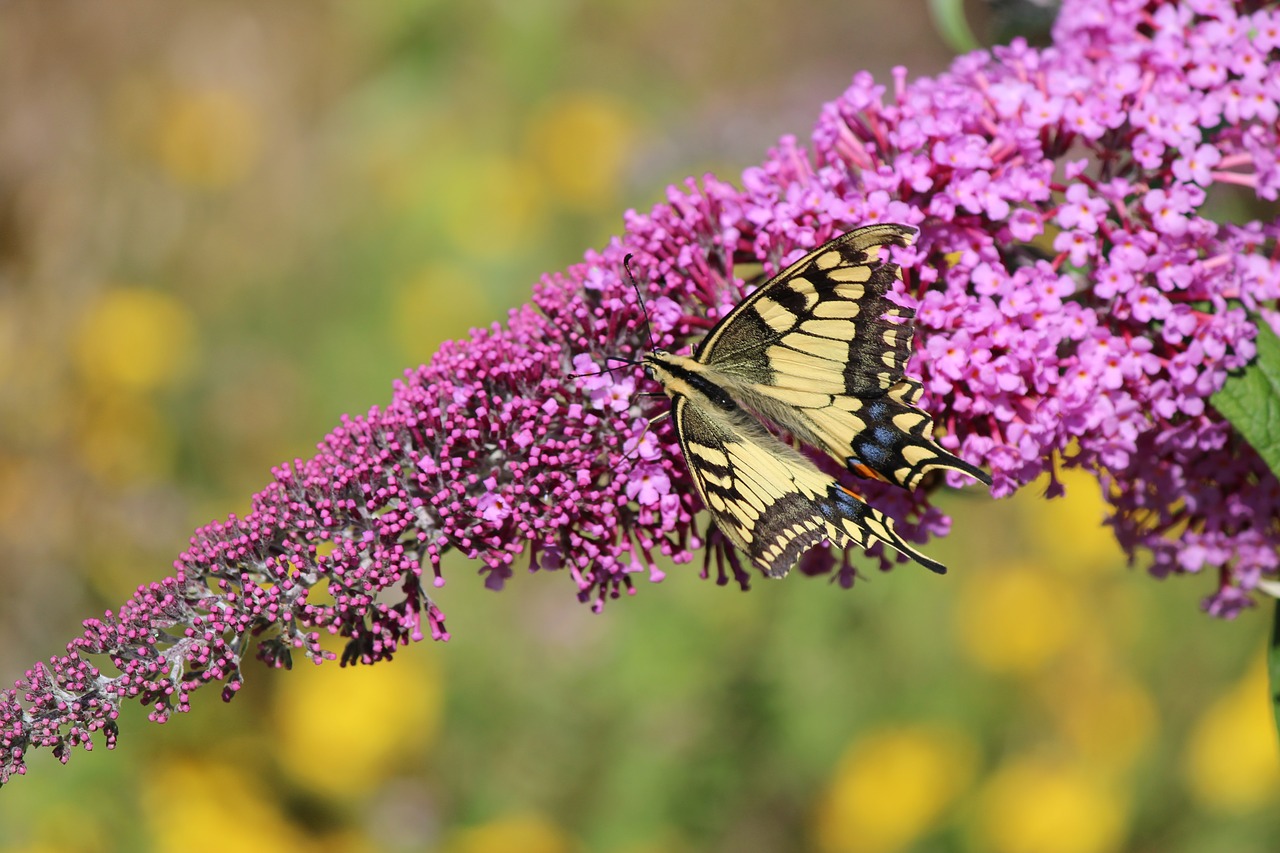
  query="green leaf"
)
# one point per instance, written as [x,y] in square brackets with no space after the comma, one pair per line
[1250,399]
[949,20]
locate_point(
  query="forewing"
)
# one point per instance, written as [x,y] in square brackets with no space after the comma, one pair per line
[820,350]
[766,498]
[830,308]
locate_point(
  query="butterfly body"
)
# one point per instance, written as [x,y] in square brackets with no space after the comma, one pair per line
[818,351]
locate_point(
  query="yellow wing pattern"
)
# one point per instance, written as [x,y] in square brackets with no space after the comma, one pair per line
[767,499]
[820,350]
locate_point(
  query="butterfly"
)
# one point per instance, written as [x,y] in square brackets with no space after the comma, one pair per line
[818,351]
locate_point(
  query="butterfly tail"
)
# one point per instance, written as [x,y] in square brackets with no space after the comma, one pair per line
[952,462]
[897,443]
[850,520]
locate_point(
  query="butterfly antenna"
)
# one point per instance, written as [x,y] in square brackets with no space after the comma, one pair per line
[653,345]
[648,327]
[622,362]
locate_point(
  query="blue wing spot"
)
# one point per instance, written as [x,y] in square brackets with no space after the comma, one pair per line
[872,454]
[884,435]
[845,504]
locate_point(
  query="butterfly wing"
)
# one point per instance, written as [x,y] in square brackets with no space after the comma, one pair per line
[820,350]
[767,499]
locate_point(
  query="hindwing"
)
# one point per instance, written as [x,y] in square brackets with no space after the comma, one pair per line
[765,497]
[820,350]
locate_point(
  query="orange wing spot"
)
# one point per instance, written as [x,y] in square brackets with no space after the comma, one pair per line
[863,471]
[852,493]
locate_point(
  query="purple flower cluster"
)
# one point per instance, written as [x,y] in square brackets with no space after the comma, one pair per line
[1077,306]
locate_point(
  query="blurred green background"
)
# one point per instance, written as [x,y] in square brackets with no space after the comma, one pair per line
[222,225]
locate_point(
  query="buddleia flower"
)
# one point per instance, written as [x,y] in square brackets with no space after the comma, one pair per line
[1078,306]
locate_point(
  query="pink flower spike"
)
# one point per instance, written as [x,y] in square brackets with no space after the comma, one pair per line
[1103,353]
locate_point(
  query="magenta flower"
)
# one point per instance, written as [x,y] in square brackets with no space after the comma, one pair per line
[1103,356]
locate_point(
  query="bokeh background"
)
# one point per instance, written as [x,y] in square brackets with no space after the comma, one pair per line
[222,225]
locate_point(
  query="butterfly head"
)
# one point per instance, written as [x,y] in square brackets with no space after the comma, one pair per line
[656,367]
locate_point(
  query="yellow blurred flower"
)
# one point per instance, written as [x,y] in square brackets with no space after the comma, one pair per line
[1071,529]
[441,302]
[207,139]
[526,832]
[581,141]
[1037,806]
[136,340]
[340,729]
[1232,763]
[182,799]
[893,786]
[1016,619]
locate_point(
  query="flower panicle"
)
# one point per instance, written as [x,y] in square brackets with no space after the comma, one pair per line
[1076,307]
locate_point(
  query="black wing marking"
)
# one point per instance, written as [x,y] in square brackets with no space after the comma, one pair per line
[821,350]
[766,498]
